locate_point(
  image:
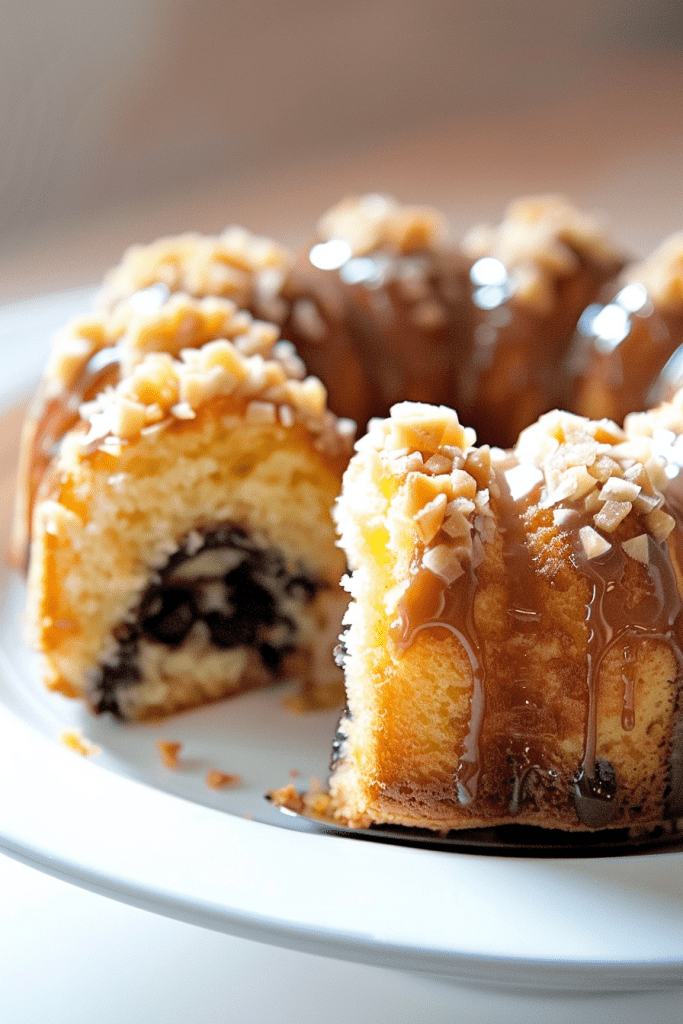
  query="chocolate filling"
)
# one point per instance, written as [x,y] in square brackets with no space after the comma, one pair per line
[245,594]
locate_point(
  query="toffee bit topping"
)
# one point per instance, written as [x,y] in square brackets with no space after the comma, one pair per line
[593,544]
[625,473]
[436,484]
[537,243]
[618,489]
[611,514]
[372,221]
[129,334]
[218,352]
[660,524]
[661,274]
[444,561]
[230,264]
[638,548]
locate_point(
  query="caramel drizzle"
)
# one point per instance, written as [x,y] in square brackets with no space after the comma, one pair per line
[429,603]
[611,624]
[50,419]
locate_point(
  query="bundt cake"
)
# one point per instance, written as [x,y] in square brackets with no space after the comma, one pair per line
[624,354]
[512,648]
[383,307]
[182,546]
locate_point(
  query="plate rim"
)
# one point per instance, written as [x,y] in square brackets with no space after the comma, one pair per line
[58,787]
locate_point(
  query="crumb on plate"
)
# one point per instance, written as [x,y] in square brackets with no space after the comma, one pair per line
[76,741]
[216,779]
[313,804]
[169,751]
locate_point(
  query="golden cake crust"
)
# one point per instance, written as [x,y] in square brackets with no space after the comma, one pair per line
[228,432]
[525,666]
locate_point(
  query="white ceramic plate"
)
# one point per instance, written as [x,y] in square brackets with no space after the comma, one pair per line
[123,825]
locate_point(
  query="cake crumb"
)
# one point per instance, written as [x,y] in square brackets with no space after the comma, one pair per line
[169,751]
[294,773]
[287,796]
[313,804]
[76,741]
[216,779]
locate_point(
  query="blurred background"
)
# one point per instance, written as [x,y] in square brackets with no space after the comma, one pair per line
[122,121]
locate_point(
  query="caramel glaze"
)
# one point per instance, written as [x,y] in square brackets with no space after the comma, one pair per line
[428,604]
[48,421]
[517,371]
[534,680]
[382,328]
[396,328]
[412,327]
[615,377]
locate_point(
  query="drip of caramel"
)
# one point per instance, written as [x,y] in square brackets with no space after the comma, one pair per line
[50,418]
[430,604]
[505,753]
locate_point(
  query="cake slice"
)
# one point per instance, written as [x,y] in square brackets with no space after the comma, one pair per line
[181,542]
[512,649]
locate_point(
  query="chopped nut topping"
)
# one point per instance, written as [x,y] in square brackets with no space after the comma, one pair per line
[592,502]
[372,221]
[593,544]
[438,492]
[604,467]
[430,518]
[235,264]
[647,503]
[455,523]
[611,514]
[261,412]
[422,489]
[438,464]
[464,485]
[638,548]
[627,473]
[616,489]
[444,561]
[537,242]
[264,378]
[637,474]
[660,524]
[425,428]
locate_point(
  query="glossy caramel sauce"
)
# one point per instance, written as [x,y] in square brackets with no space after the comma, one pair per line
[423,327]
[623,354]
[397,327]
[48,421]
[511,754]
[508,384]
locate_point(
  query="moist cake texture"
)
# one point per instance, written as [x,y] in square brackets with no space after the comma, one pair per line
[513,645]
[182,546]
